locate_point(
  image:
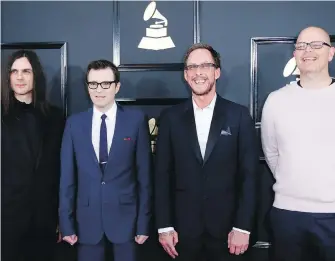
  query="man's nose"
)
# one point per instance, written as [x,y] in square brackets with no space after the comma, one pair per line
[308,48]
[19,75]
[198,71]
[99,89]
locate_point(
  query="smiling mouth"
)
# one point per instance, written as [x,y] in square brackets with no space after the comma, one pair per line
[20,85]
[200,81]
[308,59]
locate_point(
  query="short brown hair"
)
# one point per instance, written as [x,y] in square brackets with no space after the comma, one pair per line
[103,64]
[215,54]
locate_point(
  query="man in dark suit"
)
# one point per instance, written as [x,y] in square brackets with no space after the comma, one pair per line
[105,198]
[31,134]
[206,166]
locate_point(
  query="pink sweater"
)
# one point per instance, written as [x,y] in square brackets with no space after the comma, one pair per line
[298,139]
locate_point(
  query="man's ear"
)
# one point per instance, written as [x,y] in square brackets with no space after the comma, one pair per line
[185,75]
[217,73]
[331,54]
[117,87]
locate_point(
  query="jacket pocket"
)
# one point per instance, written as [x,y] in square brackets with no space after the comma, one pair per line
[127,199]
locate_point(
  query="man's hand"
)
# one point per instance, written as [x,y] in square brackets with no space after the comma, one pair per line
[168,241]
[238,242]
[59,235]
[59,238]
[140,239]
[71,239]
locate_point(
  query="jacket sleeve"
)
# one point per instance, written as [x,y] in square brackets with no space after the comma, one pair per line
[67,184]
[163,172]
[144,177]
[248,161]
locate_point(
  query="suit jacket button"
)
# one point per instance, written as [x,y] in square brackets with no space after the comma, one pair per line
[205,197]
[103,183]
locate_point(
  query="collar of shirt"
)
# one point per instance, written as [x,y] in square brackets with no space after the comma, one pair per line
[111,113]
[209,106]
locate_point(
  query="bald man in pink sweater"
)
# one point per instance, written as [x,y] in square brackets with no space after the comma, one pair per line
[298,139]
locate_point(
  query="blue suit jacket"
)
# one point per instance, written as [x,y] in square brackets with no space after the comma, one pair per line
[118,202]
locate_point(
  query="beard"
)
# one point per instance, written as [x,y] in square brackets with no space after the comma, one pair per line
[208,89]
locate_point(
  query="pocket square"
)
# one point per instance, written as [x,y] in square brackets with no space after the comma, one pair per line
[226,132]
[126,138]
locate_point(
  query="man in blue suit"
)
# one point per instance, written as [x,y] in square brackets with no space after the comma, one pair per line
[105,187]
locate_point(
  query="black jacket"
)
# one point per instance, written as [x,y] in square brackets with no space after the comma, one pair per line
[30,163]
[211,195]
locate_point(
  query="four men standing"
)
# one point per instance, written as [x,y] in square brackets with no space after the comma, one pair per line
[206,167]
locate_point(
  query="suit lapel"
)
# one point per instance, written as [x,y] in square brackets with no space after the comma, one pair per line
[118,135]
[192,131]
[88,135]
[216,124]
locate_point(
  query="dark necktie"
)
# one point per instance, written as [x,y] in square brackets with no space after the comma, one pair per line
[103,147]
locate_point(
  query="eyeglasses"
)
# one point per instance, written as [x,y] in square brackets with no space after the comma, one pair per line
[313,45]
[203,66]
[104,85]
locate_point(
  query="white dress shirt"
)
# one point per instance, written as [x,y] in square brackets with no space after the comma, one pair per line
[203,119]
[110,125]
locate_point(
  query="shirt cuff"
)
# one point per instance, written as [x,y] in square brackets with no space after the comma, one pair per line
[166,229]
[241,230]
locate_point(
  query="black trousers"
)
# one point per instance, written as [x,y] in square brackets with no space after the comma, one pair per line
[206,248]
[26,242]
[301,236]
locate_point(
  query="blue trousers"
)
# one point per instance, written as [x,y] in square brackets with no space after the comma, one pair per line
[301,236]
[121,252]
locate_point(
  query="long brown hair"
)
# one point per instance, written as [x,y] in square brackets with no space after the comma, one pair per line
[39,83]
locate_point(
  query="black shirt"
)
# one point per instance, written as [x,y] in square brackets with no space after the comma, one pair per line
[333,81]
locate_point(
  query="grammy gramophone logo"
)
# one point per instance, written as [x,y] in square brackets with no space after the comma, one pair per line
[153,128]
[156,35]
[291,69]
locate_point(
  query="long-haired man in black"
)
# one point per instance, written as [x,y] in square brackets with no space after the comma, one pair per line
[31,132]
